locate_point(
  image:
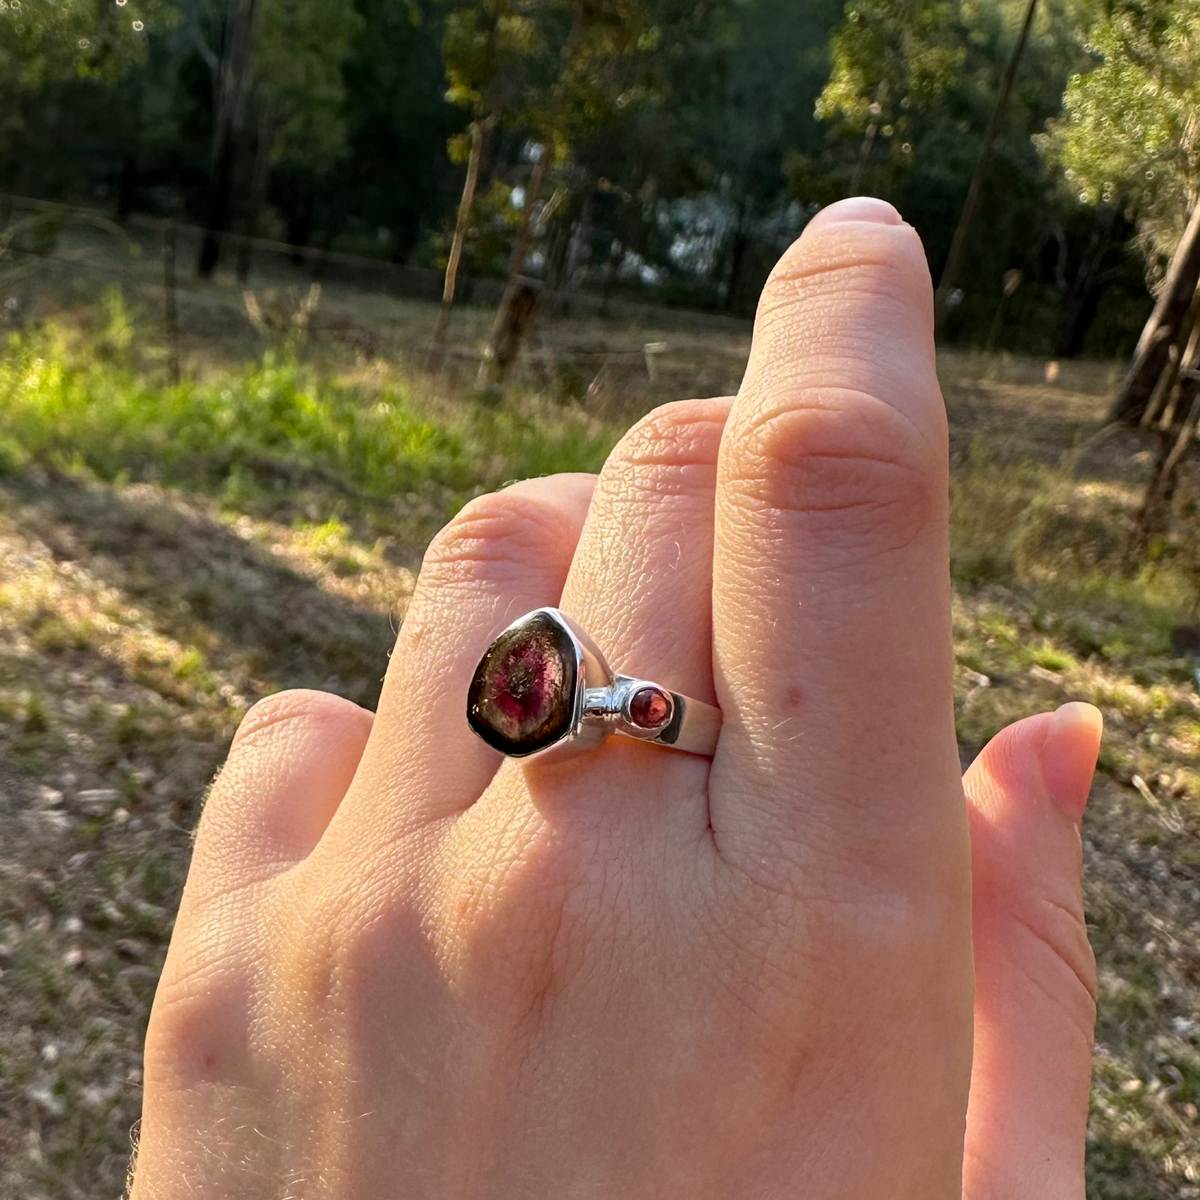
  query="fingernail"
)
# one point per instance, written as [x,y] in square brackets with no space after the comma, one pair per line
[857,208]
[1069,753]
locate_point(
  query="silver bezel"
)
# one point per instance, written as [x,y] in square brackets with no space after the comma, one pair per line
[601,703]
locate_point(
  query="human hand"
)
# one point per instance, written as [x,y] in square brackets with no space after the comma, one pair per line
[400,971]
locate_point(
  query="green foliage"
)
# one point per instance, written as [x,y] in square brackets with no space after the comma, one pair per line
[890,58]
[489,48]
[688,140]
[302,48]
[46,40]
[1130,131]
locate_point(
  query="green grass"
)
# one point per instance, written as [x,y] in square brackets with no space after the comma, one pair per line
[275,420]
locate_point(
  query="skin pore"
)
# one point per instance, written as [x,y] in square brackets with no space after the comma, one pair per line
[822,964]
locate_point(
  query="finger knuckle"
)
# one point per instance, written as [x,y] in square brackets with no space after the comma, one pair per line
[201,1011]
[1061,930]
[850,467]
[883,259]
[492,535]
[670,440]
[296,707]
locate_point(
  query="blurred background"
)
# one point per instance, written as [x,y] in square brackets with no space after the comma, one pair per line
[284,283]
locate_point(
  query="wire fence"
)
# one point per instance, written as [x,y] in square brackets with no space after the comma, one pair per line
[57,259]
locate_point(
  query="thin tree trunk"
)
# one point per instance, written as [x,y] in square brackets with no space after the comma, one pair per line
[490,370]
[524,240]
[461,225]
[1154,346]
[1082,297]
[579,245]
[1177,437]
[495,365]
[737,256]
[258,192]
[1178,379]
[235,71]
[170,307]
[1154,406]
[974,193]
[868,142]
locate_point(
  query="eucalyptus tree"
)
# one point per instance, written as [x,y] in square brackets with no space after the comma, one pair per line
[1130,128]
[492,50]
[298,92]
[891,60]
[609,59]
[1130,136]
[42,43]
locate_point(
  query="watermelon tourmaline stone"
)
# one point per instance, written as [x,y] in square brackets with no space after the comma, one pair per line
[522,696]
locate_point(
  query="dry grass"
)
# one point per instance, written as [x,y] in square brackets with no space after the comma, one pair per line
[145,601]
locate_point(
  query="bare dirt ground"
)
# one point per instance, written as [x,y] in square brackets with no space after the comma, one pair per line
[138,622]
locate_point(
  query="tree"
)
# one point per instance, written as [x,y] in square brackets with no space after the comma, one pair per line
[41,43]
[232,77]
[604,47]
[299,91]
[284,59]
[891,60]
[949,277]
[394,182]
[488,47]
[1130,129]
[950,141]
[1130,136]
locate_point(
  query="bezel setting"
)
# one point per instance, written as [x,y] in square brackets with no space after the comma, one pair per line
[543,689]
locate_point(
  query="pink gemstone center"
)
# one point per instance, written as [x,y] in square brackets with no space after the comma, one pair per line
[649,708]
[527,682]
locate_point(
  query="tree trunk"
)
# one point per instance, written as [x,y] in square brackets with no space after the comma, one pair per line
[1154,346]
[579,244]
[737,256]
[517,318]
[235,71]
[258,193]
[1082,298]
[524,240]
[958,243]
[1177,436]
[127,187]
[492,370]
[170,306]
[461,225]
[1180,380]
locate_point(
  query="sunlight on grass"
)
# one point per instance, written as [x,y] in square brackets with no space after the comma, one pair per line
[277,420]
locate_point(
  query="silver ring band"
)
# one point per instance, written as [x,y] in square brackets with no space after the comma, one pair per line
[542,688]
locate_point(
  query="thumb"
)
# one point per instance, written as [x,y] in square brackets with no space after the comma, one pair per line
[1035,975]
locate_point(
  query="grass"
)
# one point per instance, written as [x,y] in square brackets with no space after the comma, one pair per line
[274,420]
[169,553]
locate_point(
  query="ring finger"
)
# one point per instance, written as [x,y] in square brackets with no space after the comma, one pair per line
[505,553]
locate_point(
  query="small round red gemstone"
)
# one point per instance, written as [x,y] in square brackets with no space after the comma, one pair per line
[649,708]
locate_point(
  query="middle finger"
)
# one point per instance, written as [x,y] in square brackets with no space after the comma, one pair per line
[641,586]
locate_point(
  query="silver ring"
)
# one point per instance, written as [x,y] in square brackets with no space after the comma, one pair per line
[543,688]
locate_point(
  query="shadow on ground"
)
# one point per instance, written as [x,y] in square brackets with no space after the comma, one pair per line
[207,587]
